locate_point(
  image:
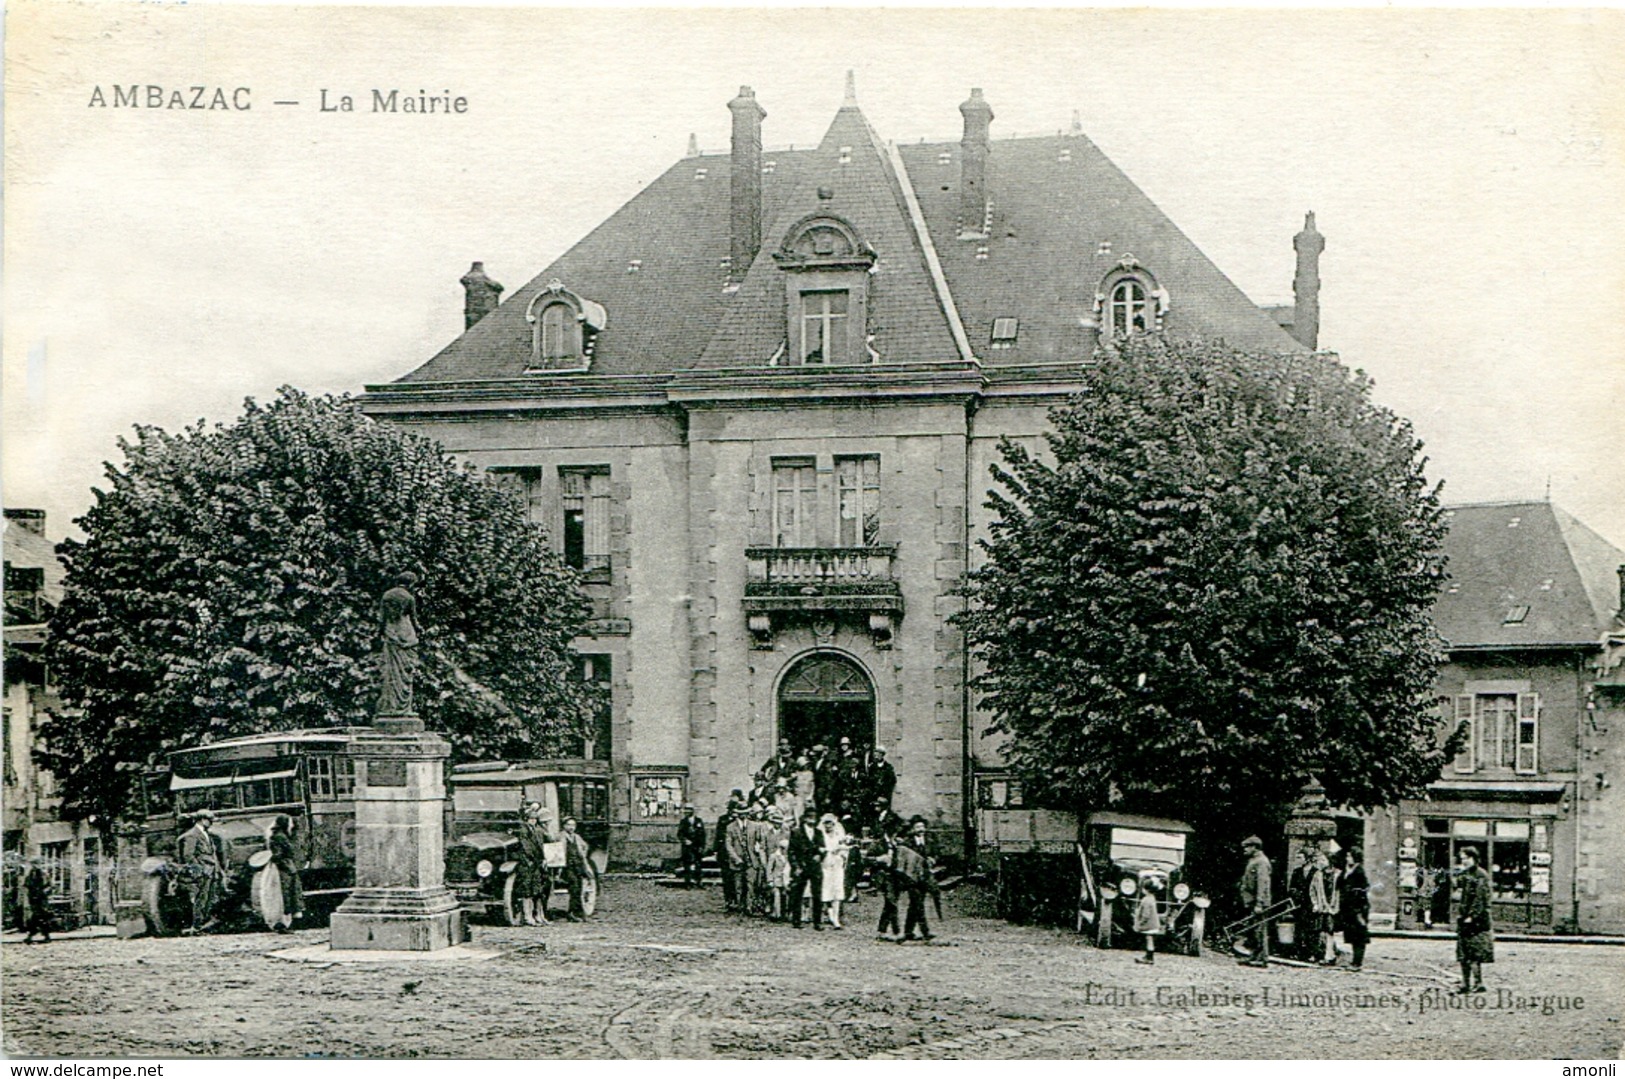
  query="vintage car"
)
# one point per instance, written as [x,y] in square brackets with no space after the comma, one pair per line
[482,843]
[1122,854]
[247,783]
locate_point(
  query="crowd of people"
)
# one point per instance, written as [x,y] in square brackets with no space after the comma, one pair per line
[813,826]
[1329,897]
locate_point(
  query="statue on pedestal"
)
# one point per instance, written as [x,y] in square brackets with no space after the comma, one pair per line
[397,611]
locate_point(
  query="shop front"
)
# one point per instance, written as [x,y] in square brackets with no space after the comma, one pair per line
[1516,834]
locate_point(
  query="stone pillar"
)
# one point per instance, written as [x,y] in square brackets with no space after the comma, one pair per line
[1310,824]
[400,902]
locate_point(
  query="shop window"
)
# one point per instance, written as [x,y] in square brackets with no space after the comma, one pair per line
[795,503]
[857,485]
[585,494]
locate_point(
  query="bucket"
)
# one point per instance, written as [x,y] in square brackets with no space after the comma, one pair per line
[1286,932]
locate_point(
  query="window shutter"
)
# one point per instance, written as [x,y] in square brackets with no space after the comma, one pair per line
[1526,762]
[1465,717]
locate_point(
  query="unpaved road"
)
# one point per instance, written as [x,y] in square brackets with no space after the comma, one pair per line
[663,973]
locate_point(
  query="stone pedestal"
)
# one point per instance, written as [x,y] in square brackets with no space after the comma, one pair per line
[400,902]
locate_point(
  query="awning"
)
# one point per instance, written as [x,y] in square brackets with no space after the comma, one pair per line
[182,783]
[1489,791]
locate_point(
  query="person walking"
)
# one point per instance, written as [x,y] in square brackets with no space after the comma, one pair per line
[1256,899]
[1355,906]
[833,885]
[532,883]
[578,868]
[806,852]
[881,855]
[691,846]
[1148,919]
[36,903]
[285,856]
[1475,933]
[915,873]
[203,857]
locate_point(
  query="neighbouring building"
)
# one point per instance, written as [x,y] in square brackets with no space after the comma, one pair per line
[1532,617]
[71,851]
[757,407]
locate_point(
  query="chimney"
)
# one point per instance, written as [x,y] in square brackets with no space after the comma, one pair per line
[745,206]
[480,295]
[1306,283]
[27,520]
[973,148]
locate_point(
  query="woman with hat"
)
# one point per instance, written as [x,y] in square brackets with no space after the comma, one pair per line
[286,860]
[1475,934]
[532,883]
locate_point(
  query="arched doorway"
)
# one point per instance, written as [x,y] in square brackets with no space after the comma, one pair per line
[826,697]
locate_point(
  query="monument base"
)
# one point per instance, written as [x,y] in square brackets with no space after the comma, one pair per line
[399,920]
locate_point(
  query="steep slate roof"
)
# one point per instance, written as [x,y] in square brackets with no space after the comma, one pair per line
[1530,554]
[908,321]
[30,550]
[1042,267]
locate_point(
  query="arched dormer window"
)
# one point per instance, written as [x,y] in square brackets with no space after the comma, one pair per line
[564,329]
[1129,302]
[826,267]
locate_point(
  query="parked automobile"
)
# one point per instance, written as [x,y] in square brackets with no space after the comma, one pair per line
[1122,854]
[482,845]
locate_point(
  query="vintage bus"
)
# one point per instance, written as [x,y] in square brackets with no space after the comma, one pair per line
[309,776]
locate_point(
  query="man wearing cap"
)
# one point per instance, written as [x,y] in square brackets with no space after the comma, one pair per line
[203,853]
[691,846]
[1256,899]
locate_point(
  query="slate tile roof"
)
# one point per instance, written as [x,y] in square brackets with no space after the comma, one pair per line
[1055,201]
[1511,555]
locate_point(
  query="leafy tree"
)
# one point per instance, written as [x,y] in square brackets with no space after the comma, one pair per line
[229,580]
[1220,587]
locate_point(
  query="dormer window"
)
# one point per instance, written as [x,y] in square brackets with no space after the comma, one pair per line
[1129,302]
[564,329]
[826,268]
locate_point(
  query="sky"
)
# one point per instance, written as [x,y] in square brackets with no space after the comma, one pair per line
[1467,168]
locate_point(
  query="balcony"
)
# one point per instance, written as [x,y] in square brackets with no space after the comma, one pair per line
[821,585]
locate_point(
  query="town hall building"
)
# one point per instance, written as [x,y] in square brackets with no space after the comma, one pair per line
[757,408]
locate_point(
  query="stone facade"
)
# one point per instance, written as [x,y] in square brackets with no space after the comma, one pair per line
[791,373]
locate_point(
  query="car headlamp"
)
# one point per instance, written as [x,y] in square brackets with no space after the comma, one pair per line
[1127,886]
[1182,891]
[485,868]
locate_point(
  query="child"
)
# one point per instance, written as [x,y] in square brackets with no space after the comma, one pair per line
[1148,920]
[778,877]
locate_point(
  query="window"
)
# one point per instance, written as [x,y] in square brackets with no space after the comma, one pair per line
[1004,333]
[58,867]
[795,504]
[1129,302]
[823,326]
[1502,732]
[1126,308]
[857,503]
[597,669]
[556,334]
[331,778]
[585,495]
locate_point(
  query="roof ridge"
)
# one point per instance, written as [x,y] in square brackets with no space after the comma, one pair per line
[933,265]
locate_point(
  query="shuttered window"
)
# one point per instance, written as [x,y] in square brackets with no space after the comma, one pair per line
[585,494]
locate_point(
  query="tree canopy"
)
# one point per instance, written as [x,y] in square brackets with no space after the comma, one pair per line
[229,582]
[1215,584]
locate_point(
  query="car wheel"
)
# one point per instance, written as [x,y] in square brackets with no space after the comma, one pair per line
[507,912]
[1198,926]
[589,894]
[1103,926]
[159,923]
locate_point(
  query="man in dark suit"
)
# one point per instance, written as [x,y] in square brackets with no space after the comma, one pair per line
[578,868]
[807,869]
[1256,898]
[882,780]
[691,845]
[203,854]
